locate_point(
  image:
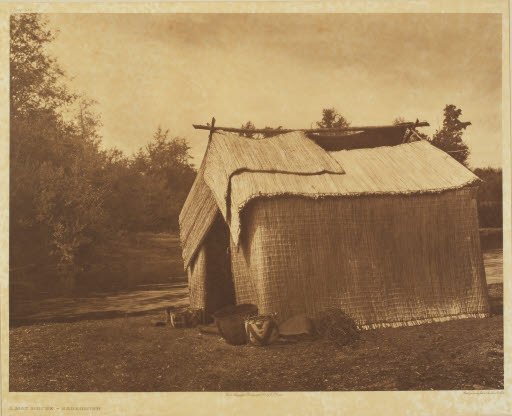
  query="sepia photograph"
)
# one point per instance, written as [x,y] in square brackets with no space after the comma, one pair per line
[256,202]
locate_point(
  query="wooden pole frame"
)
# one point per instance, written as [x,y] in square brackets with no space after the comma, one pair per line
[213,128]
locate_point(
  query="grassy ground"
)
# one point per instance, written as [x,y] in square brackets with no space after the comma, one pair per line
[130,354]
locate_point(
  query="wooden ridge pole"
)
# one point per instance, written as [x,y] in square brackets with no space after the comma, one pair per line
[212,128]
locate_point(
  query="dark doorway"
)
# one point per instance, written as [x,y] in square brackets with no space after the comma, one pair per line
[219,286]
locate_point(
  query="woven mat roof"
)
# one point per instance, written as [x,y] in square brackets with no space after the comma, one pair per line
[230,154]
[237,170]
[196,216]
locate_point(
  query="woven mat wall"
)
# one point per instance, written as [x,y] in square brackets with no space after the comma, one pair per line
[383,259]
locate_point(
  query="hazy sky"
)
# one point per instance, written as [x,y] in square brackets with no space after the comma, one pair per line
[147,70]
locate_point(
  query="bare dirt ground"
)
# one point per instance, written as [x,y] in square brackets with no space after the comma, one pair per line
[130,354]
[139,301]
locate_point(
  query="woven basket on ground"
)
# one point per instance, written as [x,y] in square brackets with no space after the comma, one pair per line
[230,321]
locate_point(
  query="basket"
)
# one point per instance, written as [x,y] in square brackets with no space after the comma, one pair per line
[262,330]
[230,321]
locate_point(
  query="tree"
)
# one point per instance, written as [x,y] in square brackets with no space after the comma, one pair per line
[66,193]
[168,173]
[166,158]
[272,133]
[34,75]
[449,137]
[57,187]
[490,197]
[248,126]
[88,122]
[332,119]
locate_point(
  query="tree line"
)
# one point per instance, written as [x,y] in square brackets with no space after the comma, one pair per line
[68,193]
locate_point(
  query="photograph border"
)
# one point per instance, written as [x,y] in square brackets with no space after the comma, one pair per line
[491,402]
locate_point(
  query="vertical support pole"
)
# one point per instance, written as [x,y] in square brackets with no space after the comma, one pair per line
[211,129]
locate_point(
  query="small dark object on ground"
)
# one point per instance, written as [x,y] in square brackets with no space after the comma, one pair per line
[336,326]
[158,323]
[187,318]
[230,321]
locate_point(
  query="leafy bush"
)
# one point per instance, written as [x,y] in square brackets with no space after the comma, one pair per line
[66,193]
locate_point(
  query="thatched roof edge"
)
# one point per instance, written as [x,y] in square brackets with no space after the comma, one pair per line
[236,225]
